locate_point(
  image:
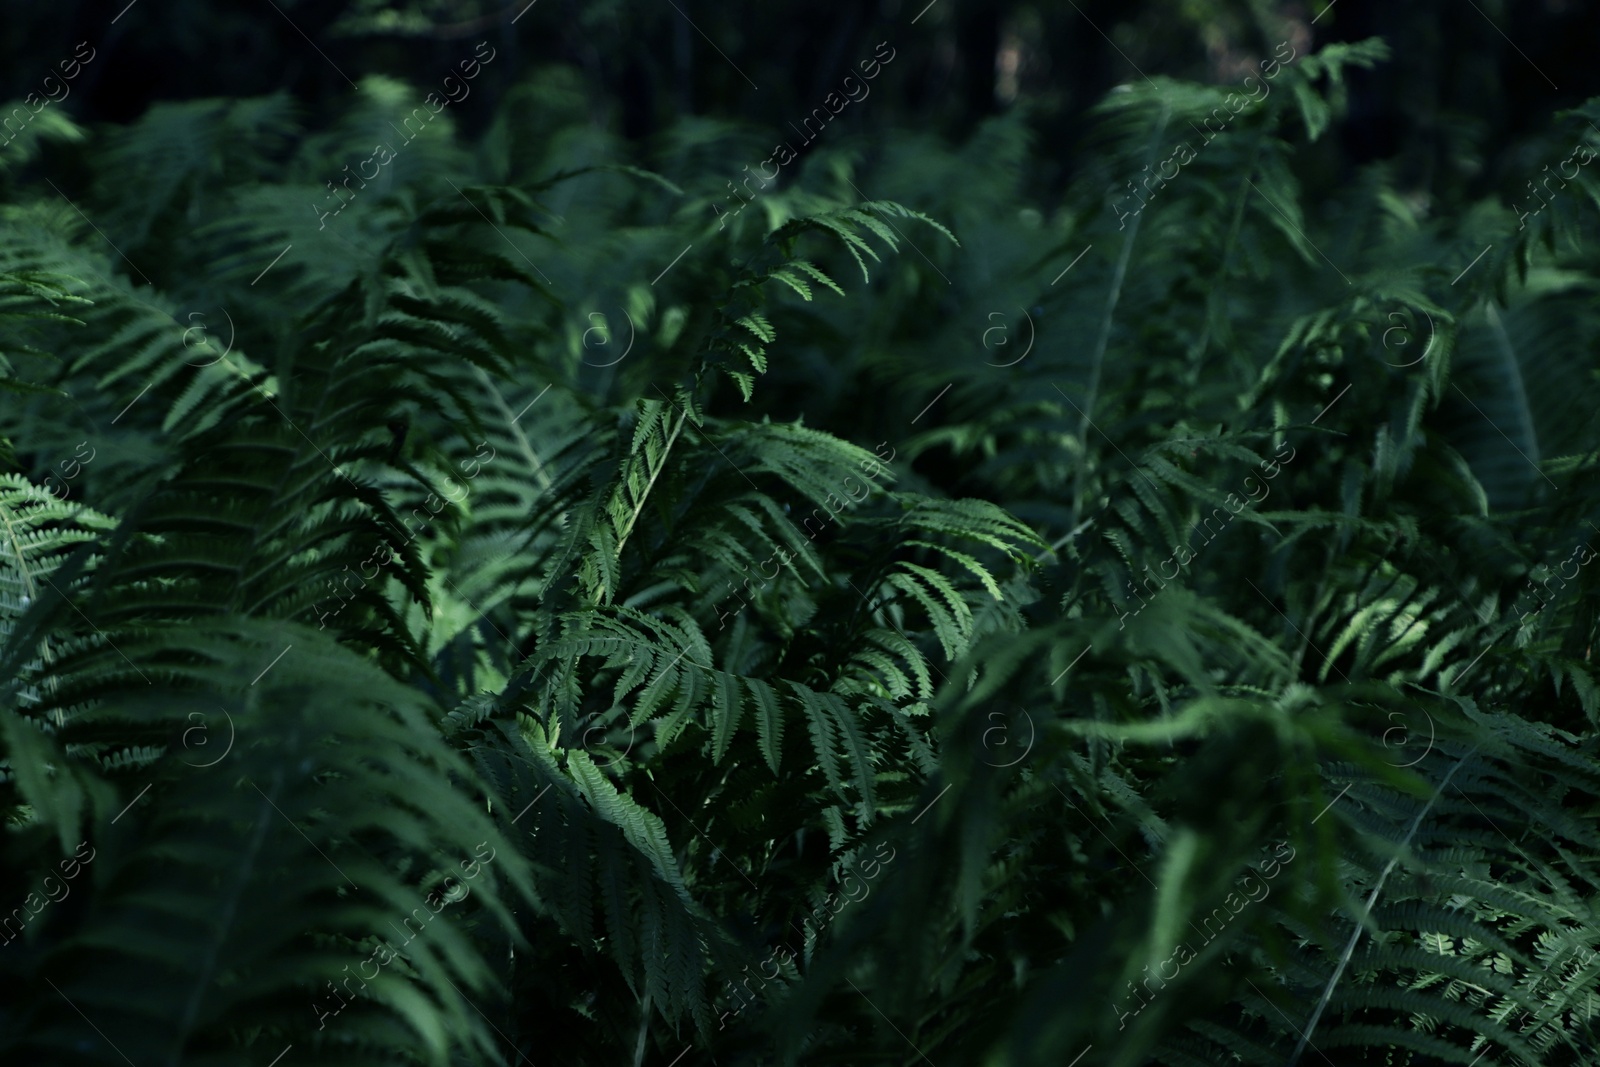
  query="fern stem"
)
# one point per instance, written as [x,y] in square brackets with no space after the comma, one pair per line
[516,430]
[1372,899]
[32,593]
[1104,339]
[638,509]
[644,1030]
[1216,294]
[224,924]
[1515,387]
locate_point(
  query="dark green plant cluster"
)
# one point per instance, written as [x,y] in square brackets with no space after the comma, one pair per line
[509,607]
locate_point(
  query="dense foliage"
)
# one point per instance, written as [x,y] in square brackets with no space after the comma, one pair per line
[792,634]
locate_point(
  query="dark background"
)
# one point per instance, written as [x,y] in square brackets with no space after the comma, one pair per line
[1468,78]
